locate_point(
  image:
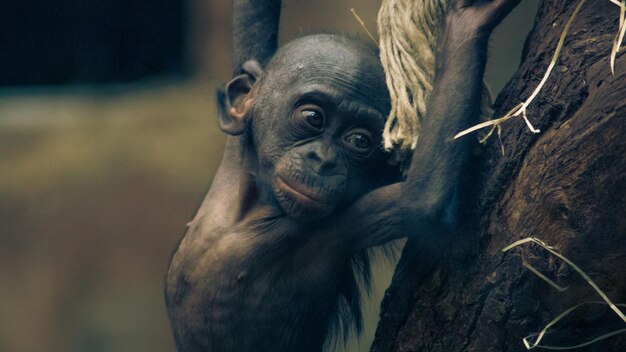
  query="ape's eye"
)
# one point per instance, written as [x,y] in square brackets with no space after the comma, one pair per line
[313,118]
[360,142]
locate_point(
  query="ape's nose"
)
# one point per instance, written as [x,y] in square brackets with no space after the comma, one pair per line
[322,158]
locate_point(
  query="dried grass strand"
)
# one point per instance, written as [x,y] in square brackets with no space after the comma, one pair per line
[544,331]
[362,23]
[543,277]
[619,37]
[586,277]
[574,266]
[521,109]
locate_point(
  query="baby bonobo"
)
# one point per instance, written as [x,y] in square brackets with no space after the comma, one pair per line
[269,263]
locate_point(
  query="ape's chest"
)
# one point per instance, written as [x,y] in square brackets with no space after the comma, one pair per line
[262,291]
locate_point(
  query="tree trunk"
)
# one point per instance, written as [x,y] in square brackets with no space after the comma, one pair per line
[565,186]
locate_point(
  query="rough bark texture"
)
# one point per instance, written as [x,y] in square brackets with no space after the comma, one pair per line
[566,186]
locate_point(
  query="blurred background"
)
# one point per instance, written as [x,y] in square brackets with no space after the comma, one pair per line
[108,142]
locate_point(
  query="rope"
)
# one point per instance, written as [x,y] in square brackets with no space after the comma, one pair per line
[408,34]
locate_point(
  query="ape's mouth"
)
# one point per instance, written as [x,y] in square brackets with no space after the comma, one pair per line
[304,196]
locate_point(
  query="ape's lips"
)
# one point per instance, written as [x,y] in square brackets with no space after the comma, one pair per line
[304,196]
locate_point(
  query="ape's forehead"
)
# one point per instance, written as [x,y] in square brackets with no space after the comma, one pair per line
[349,67]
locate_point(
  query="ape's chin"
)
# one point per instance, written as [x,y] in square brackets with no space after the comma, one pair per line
[300,203]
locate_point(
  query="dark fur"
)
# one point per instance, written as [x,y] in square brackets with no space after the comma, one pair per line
[275,256]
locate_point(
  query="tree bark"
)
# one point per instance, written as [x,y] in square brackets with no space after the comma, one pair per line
[565,186]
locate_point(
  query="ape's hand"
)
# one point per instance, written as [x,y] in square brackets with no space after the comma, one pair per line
[477,17]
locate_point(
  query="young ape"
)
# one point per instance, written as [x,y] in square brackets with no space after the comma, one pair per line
[268,263]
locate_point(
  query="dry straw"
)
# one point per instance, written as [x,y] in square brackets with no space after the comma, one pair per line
[539,336]
[520,109]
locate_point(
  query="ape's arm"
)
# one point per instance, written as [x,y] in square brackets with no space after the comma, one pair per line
[255,31]
[255,40]
[428,197]
[255,28]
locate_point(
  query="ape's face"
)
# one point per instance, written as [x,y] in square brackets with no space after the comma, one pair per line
[317,118]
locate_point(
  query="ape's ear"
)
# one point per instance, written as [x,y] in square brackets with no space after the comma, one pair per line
[236,101]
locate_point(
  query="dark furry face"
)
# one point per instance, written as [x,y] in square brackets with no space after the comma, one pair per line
[316,125]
